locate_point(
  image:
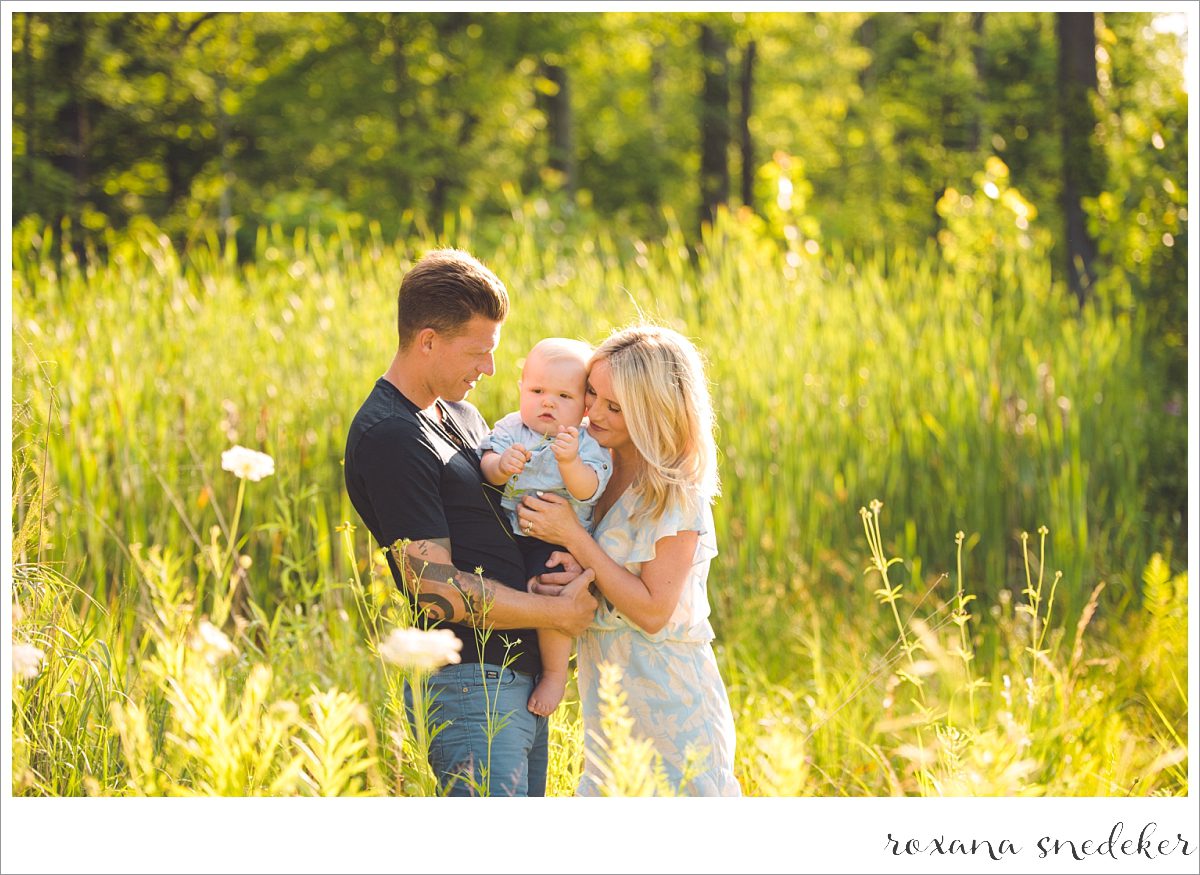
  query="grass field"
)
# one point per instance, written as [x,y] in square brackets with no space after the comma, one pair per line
[204,634]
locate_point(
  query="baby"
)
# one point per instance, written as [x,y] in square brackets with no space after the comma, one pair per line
[542,448]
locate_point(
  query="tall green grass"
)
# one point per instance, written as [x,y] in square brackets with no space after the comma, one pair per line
[967,396]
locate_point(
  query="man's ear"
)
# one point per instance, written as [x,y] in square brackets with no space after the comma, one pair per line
[425,338]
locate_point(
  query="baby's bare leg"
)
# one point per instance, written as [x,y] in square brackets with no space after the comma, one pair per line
[556,653]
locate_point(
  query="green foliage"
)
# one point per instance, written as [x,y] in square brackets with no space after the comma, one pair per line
[987,225]
[206,119]
[1141,218]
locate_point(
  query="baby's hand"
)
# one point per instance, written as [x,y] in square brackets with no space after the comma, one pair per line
[512,460]
[566,445]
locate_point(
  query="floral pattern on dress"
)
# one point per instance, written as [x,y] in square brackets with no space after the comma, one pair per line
[673,689]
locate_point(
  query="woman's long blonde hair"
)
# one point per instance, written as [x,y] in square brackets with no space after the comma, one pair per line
[658,379]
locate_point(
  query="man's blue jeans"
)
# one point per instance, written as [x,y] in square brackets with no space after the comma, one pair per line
[474,701]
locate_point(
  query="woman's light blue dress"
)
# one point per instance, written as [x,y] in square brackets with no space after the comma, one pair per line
[673,690]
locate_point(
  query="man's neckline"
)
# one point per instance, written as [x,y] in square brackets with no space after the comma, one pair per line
[384,377]
[437,404]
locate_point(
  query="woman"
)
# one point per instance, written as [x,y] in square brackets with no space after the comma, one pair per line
[651,546]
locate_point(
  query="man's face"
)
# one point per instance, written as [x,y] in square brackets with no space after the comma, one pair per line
[460,360]
[552,393]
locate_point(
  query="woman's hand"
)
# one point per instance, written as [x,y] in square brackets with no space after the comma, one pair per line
[550,518]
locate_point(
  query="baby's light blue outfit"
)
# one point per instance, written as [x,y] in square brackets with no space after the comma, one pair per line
[673,689]
[541,472]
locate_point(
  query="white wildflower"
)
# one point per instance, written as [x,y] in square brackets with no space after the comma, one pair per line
[420,649]
[285,711]
[211,643]
[247,464]
[27,660]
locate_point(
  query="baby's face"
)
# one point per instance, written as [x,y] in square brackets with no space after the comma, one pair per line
[552,393]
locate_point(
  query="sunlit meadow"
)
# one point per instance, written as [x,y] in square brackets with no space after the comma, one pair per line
[939,572]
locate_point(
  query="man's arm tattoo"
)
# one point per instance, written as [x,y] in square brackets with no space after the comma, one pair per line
[435,607]
[475,592]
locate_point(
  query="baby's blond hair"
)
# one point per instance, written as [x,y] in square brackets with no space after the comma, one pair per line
[555,348]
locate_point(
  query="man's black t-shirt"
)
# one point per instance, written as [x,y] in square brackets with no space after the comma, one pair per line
[408,477]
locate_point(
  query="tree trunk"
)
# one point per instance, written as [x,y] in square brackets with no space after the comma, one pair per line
[747,141]
[867,35]
[393,25]
[30,113]
[173,155]
[224,206]
[1082,161]
[714,124]
[979,59]
[79,105]
[450,173]
[444,181]
[942,133]
[656,77]
[560,126]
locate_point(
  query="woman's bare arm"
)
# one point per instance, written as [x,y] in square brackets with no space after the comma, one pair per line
[649,599]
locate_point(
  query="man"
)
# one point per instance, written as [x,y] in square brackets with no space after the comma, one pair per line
[413,475]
